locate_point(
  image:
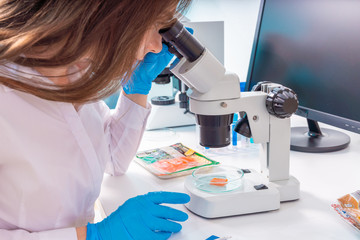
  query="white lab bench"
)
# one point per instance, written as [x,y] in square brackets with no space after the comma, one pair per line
[323,178]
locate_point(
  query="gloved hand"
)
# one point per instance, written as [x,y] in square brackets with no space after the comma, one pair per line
[190,30]
[152,65]
[142,218]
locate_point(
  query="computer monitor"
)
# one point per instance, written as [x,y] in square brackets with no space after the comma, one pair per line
[312,47]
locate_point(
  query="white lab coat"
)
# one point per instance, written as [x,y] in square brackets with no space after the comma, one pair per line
[52,160]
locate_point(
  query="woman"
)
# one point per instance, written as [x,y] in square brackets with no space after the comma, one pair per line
[59,58]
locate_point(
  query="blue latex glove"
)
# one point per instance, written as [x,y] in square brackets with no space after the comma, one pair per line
[190,30]
[142,218]
[152,65]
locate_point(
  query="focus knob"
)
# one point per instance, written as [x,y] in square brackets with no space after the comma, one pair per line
[282,102]
[257,87]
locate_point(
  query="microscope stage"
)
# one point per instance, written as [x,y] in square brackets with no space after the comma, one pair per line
[255,194]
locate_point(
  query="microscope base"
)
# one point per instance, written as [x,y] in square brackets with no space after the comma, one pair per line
[244,200]
[289,189]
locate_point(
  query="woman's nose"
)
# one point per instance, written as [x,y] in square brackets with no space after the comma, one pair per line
[155,43]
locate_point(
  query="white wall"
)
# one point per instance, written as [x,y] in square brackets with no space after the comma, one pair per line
[240,18]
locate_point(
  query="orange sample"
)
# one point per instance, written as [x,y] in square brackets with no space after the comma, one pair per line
[175,164]
[218,181]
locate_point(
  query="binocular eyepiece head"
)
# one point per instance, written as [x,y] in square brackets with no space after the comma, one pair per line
[214,130]
[181,42]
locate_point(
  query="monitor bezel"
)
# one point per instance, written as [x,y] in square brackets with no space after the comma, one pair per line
[312,114]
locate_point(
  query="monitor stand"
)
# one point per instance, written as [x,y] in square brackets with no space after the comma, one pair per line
[314,140]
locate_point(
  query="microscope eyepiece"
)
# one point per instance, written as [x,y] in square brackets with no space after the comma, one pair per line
[183,41]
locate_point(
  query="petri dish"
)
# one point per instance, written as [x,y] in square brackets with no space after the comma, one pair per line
[217,179]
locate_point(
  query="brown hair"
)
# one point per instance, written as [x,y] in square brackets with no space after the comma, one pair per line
[110,30]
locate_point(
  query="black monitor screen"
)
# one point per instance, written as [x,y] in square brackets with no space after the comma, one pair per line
[312,47]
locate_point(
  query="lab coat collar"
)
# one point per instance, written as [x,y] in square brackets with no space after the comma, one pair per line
[16,72]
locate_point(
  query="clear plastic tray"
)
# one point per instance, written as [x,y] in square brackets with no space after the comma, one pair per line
[172,161]
[219,178]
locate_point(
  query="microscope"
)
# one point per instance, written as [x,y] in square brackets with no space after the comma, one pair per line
[214,97]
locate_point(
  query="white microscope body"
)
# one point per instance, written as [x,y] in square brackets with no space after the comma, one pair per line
[213,91]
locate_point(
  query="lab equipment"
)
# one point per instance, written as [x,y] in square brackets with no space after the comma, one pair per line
[216,179]
[142,217]
[172,161]
[214,97]
[170,104]
[168,109]
[234,137]
[152,65]
[298,52]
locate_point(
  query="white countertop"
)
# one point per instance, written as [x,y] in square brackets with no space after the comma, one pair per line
[323,178]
